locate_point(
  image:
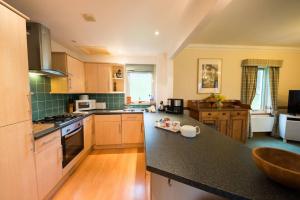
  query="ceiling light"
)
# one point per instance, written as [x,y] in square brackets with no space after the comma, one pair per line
[156,33]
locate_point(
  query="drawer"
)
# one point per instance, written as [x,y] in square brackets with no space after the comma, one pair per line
[49,140]
[209,115]
[224,115]
[107,118]
[132,117]
[239,113]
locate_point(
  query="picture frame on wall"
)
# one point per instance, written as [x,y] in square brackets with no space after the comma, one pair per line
[209,75]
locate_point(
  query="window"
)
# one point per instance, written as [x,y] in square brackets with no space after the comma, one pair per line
[140,86]
[262,99]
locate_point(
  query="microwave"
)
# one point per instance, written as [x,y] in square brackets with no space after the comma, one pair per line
[82,105]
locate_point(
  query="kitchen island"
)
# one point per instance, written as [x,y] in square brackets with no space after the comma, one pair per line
[210,162]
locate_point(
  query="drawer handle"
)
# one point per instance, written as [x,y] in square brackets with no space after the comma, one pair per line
[209,113]
[223,113]
[238,113]
[47,142]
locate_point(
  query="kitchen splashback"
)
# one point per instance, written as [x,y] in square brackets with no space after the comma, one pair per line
[45,104]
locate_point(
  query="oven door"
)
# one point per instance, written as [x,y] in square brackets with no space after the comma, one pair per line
[72,145]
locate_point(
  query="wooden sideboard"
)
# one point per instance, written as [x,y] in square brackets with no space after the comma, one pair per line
[231,120]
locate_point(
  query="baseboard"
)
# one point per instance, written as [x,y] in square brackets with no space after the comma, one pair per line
[118,146]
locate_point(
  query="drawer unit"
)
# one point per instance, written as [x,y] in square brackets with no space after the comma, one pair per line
[209,115]
[241,114]
[132,117]
[108,118]
[47,141]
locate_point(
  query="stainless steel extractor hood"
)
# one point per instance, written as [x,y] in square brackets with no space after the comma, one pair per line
[39,50]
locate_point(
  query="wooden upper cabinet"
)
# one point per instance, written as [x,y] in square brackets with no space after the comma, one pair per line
[104,78]
[15,103]
[98,78]
[17,169]
[74,68]
[91,77]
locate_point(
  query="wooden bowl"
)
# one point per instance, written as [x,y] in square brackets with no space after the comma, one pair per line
[279,165]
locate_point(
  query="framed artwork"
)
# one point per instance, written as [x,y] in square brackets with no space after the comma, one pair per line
[209,75]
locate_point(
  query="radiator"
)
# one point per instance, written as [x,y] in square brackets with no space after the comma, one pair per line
[262,123]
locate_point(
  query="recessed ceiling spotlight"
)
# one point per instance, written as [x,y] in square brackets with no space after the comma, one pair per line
[156,33]
[74,41]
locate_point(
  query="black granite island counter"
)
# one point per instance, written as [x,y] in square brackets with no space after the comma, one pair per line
[210,162]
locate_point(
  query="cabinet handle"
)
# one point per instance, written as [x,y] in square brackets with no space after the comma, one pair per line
[49,141]
[70,83]
[238,113]
[209,114]
[223,113]
[141,127]
[59,154]
[29,102]
[169,182]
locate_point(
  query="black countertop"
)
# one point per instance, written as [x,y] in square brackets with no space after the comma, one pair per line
[210,161]
[47,131]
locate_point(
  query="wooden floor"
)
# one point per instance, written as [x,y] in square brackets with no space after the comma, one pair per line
[108,175]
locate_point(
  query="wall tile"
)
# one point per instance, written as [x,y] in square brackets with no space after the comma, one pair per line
[45,104]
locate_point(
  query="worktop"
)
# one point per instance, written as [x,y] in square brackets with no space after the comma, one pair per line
[211,162]
[40,130]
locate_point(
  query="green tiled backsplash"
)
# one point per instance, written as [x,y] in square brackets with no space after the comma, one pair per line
[45,104]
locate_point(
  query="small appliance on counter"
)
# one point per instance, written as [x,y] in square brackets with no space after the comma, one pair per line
[175,106]
[84,105]
[101,105]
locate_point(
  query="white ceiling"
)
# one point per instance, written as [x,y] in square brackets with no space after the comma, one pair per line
[252,22]
[124,27]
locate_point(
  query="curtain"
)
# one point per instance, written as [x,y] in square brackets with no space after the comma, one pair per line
[274,82]
[249,77]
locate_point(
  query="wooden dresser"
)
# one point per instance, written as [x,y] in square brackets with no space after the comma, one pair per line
[231,120]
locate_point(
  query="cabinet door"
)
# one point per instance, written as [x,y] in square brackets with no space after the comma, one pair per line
[48,164]
[15,99]
[91,77]
[132,132]
[104,78]
[108,130]
[223,126]
[76,77]
[88,132]
[17,169]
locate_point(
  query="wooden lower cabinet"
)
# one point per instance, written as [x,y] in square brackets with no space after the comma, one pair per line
[108,130]
[119,129]
[48,159]
[17,169]
[132,132]
[232,123]
[88,132]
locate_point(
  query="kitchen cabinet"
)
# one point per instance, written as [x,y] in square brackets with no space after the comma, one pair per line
[132,129]
[108,130]
[88,132]
[239,125]
[17,169]
[48,159]
[231,120]
[98,77]
[15,103]
[74,69]
[101,78]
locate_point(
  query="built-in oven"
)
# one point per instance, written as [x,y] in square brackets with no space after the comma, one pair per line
[72,141]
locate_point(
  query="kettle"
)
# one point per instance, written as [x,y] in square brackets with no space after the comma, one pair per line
[189,131]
